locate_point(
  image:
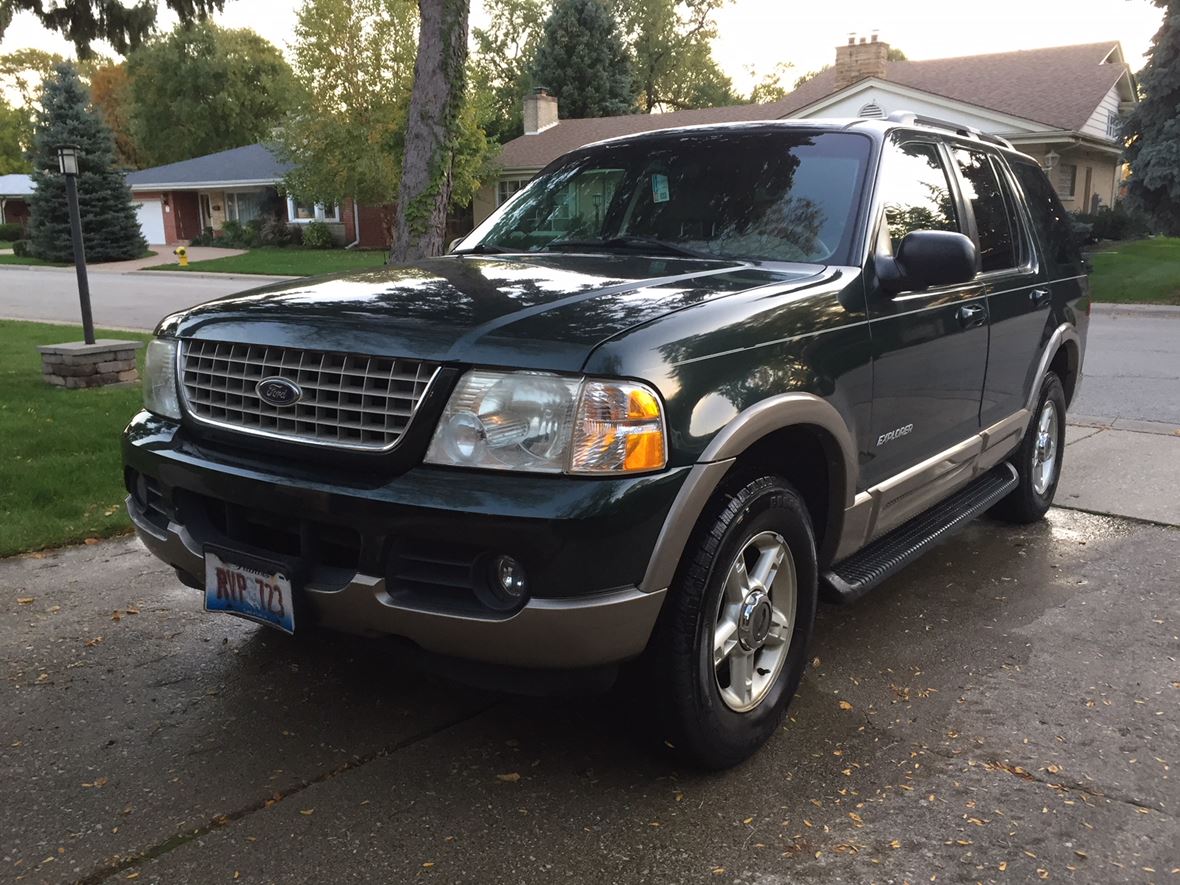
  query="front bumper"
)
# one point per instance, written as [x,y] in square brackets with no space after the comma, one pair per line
[586,542]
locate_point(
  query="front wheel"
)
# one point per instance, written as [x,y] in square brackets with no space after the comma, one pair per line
[731,646]
[1038,460]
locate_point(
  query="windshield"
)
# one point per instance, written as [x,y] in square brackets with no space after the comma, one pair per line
[768,194]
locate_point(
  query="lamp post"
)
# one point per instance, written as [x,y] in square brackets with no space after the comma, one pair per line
[67,161]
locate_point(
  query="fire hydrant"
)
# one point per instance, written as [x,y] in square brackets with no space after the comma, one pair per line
[181,252]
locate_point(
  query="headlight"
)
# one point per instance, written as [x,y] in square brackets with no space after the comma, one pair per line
[159,378]
[549,423]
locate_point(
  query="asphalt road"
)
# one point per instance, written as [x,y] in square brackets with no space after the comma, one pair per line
[121,301]
[1006,709]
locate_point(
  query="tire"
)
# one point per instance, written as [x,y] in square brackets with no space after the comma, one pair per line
[1033,495]
[700,704]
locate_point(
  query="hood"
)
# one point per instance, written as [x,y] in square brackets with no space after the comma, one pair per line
[532,312]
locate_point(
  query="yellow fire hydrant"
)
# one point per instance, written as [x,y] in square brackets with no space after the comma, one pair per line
[181,252]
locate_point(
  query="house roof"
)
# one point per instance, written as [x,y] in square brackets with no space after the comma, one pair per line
[16,185]
[252,164]
[1059,87]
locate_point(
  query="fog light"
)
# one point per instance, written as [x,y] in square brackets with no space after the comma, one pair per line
[508,578]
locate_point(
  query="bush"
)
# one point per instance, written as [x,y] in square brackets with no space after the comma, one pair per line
[275,232]
[234,235]
[295,234]
[21,248]
[317,235]
[204,238]
[1112,223]
[11,232]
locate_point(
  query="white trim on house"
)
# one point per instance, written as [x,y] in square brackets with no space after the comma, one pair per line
[208,185]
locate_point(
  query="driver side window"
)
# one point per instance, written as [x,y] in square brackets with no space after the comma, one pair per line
[916,191]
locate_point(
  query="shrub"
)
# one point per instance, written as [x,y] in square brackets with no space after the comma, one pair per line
[317,235]
[21,248]
[204,238]
[274,232]
[234,235]
[11,232]
[295,234]
[1112,223]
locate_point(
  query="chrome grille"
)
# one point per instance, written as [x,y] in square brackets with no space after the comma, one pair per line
[349,401]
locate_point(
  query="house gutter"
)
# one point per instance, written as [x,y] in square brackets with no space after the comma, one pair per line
[356,224]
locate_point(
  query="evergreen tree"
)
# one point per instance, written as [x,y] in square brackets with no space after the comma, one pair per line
[582,60]
[110,230]
[1153,129]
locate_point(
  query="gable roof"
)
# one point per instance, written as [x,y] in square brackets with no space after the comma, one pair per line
[1059,87]
[252,164]
[16,185]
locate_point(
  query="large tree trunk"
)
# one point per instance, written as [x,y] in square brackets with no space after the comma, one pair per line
[435,105]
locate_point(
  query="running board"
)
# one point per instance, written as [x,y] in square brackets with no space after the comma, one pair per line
[855,576]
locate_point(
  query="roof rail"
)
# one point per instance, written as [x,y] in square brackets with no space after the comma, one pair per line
[909,118]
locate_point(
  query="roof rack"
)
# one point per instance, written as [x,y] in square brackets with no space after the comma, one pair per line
[909,118]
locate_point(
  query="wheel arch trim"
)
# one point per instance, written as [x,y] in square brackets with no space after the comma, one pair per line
[1066,334]
[751,425]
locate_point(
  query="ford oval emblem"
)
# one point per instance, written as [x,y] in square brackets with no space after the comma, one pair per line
[279,392]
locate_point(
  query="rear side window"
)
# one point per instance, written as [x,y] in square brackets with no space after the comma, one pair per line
[916,191]
[1052,224]
[994,209]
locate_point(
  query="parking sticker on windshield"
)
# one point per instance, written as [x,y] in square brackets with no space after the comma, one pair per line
[659,188]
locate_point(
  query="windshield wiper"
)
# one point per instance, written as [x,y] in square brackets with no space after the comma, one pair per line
[629,241]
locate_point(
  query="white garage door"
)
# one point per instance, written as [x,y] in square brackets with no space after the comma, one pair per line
[151,220]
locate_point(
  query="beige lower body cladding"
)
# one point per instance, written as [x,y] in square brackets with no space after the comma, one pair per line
[76,364]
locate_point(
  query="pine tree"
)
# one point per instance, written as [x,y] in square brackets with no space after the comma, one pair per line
[1153,129]
[110,230]
[582,60]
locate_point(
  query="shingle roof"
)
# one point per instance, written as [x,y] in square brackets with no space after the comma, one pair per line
[16,185]
[1059,87]
[253,163]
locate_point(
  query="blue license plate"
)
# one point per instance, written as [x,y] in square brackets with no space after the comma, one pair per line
[261,595]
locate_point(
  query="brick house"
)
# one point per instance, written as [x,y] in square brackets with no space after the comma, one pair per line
[1062,105]
[15,190]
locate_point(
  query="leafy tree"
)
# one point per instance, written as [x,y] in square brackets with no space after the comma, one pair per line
[16,131]
[110,229]
[354,60]
[1153,128]
[500,69]
[24,70]
[202,88]
[84,21]
[110,89]
[670,42]
[895,54]
[434,129]
[581,58]
[773,85]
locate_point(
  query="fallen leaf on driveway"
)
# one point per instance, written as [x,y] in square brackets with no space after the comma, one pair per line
[24,600]
[90,542]
[307,812]
[510,778]
[844,705]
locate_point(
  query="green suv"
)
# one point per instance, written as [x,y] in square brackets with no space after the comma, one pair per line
[674,391]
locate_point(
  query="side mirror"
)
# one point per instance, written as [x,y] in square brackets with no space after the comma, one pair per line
[453,243]
[928,258]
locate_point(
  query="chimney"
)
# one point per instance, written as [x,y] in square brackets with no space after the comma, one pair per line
[540,111]
[858,61]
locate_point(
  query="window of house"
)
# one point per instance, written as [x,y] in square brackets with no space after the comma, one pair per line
[917,191]
[1114,125]
[1067,180]
[995,219]
[301,212]
[243,206]
[506,188]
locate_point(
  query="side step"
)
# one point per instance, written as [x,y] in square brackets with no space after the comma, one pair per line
[851,578]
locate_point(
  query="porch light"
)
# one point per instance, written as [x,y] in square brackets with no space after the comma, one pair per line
[67,159]
[1051,159]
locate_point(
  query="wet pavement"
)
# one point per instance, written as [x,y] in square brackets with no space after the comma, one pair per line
[1006,709]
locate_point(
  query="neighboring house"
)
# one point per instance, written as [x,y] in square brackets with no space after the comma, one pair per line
[178,201]
[1062,105]
[15,191]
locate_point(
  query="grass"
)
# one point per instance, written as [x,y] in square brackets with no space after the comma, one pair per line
[61,475]
[31,261]
[287,262]
[5,244]
[1138,272]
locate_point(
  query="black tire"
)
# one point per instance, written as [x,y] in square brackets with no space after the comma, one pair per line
[1025,504]
[694,718]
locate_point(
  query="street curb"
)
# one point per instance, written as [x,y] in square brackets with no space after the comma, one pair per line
[205,275]
[105,326]
[1159,311]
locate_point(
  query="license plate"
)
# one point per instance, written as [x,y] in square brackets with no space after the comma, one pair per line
[258,594]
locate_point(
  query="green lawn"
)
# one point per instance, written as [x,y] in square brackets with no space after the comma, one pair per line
[5,244]
[31,261]
[61,477]
[1138,272]
[287,262]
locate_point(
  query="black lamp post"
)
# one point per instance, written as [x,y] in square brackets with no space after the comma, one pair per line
[67,161]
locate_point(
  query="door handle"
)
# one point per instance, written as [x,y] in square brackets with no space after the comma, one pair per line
[1039,297]
[971,315]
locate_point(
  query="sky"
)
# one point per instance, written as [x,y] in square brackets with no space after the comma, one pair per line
[756,35]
